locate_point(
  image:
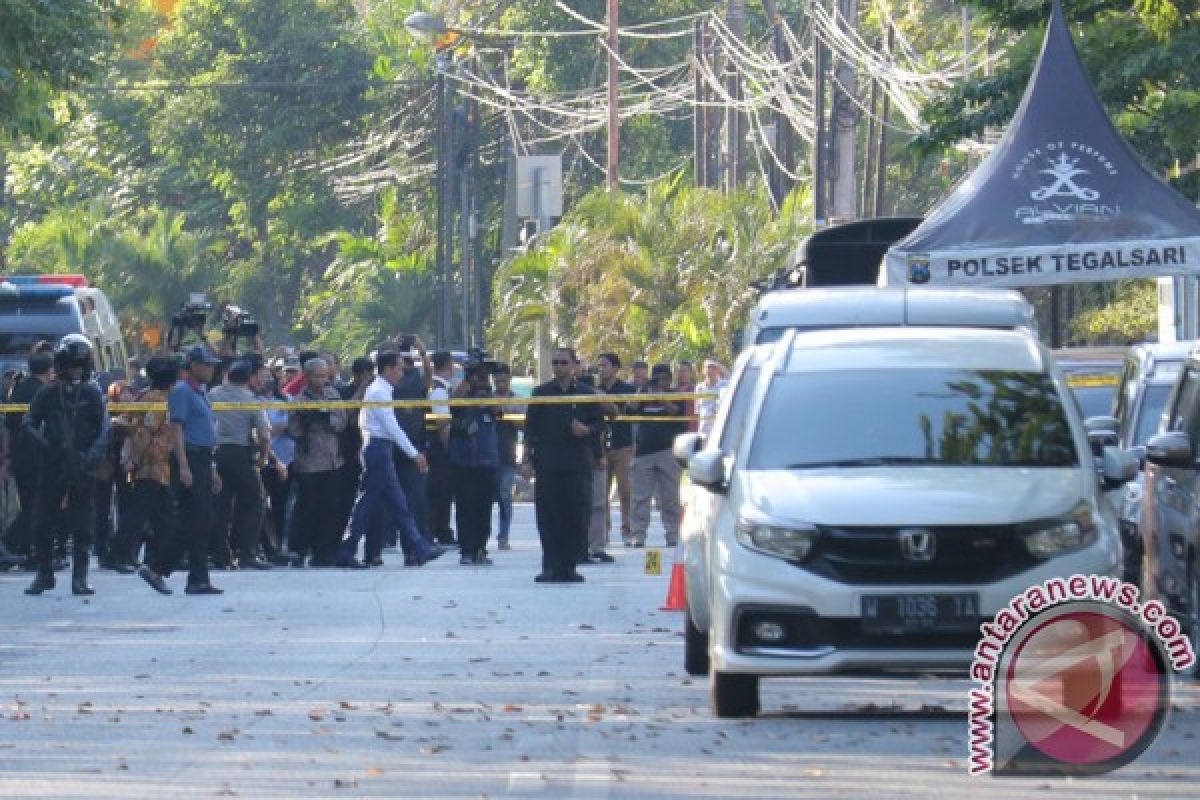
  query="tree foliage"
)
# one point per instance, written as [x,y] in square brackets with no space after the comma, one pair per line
[662,276]
[46,47]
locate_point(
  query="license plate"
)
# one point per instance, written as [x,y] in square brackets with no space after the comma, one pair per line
[920,613]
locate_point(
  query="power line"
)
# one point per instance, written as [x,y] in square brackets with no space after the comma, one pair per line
[189,86]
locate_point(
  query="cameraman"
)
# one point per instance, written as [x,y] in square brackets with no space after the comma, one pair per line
[67,418]
[316,527]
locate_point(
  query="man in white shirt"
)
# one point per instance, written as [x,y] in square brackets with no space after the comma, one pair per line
[379,488]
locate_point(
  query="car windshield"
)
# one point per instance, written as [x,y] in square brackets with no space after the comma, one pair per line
[930,417]
[1095,401]
[1154,400]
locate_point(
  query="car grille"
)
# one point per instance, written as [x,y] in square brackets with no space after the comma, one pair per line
[963,554]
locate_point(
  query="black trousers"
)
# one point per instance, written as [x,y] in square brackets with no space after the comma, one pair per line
[474,494]
[239,505]
[151,504]
[19,536]
[275,536]
[318,524]
[49,516]
[563,506]
[195,521]
[439,492]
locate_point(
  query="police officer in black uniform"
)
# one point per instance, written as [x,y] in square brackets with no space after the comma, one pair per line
[558,447]
[68,420]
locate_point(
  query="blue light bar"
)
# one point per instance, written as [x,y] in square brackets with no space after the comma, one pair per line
[35,290]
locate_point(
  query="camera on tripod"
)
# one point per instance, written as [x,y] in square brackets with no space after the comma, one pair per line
[193,314]
[239,322]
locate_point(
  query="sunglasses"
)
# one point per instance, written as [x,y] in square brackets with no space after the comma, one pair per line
[558,363]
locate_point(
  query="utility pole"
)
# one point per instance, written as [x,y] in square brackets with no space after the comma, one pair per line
[734,129]
[819,146]
[442,200]
[614,101]
[845,122]
[881,154]
[700,115]
[784,161]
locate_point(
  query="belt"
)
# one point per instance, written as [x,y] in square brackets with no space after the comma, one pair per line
[239,446]
[195,448]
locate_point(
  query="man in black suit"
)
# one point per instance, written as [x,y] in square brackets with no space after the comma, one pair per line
[558,451]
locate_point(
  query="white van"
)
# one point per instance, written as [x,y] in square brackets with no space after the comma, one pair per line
[34,308]
[869,495]
[868,306]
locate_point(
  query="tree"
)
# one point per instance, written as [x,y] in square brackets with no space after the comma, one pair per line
[46,48]
[285,81]
[666,275]
[1140,64]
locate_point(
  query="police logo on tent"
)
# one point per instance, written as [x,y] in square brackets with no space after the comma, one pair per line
[918,270]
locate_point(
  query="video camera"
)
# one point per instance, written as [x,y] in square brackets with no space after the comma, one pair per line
[477,355]
[193,314]
[239,322]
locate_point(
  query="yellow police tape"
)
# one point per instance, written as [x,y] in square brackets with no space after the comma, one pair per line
[1092,381]
[456,402]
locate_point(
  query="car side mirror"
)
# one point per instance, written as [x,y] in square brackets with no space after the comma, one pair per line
[1100,440]
[1101,424]
[1173,449]
[1120,467]
[707,469]
[685,446]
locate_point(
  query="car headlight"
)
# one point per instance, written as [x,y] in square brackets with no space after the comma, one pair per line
[792,542]
[1055,537]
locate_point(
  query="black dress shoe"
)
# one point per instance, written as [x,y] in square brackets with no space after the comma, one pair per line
[81,588]
[602,558]
[203,588]
[375,562]
[255,563]
[154,579]
[41,582]
[352,563]
[545,577]
[573,577]
[434,553]
[123,568]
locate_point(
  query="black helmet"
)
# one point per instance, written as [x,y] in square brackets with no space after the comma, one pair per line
[74,350]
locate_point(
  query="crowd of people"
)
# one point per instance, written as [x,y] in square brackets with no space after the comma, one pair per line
[317,483]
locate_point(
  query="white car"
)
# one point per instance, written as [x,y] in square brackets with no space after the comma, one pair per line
[869,495]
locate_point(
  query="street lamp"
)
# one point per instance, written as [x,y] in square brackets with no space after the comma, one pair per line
[424,25]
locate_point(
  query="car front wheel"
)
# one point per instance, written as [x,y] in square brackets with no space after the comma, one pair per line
[734,695]
[695,648]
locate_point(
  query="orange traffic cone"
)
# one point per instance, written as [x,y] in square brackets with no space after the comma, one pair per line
[676,599]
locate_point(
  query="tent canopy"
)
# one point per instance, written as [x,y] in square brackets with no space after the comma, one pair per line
[1061,199]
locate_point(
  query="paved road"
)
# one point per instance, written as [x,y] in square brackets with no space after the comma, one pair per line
[463,682]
